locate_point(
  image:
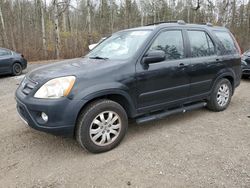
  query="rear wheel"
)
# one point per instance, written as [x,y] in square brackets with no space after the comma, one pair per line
[221,96]
[101,126]
[17,69]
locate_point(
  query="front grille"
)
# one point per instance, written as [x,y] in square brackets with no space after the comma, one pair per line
[246,72]
[27,86]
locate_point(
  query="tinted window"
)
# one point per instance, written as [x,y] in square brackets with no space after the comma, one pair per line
[201,44]
[171,42]
[227,42]
[4,52]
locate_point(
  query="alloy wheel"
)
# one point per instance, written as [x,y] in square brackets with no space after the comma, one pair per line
[105,128]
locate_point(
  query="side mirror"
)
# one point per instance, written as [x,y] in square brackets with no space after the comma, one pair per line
[154,56]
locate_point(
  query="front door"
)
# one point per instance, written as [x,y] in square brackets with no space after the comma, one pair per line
[5,61]
[163,83]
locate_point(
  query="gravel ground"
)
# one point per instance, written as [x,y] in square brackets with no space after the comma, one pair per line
[196,149]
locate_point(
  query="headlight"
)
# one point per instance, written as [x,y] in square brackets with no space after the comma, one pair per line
[56,88]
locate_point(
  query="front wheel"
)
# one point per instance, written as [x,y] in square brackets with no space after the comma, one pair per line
[221,96]
[101,126]
[17,69]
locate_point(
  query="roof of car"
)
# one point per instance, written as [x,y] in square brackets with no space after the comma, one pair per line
[176,24]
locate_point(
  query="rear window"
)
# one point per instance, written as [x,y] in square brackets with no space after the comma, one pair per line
[227,41]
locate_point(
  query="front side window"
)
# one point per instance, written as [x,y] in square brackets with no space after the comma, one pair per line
[201,44]
[171,42]
[120,46]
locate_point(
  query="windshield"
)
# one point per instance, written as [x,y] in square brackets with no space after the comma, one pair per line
[120,46]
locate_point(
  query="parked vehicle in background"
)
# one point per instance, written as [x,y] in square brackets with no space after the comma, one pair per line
[92,46]
[245,64]
[11,62]
[144,73]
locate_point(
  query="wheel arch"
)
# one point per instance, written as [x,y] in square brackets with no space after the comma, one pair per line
[119,96]
[229,75]
[16,61]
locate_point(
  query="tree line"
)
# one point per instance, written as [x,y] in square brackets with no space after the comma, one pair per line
[53,29]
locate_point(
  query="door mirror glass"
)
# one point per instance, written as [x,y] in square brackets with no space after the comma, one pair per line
[154,56]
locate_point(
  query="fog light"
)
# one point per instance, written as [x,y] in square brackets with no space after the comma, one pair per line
[44,117]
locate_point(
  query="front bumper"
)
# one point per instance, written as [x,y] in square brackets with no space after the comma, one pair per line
[246,71]
[245,68]
[24,63]
[62,113]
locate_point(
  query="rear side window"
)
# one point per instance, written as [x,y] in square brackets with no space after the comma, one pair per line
[227,41]
[201,44]
[171,42]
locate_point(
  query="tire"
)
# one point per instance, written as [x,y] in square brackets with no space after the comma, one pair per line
[221,96]
[91,120]
[17,69]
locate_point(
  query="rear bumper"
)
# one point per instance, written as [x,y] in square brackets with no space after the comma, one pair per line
[62,114]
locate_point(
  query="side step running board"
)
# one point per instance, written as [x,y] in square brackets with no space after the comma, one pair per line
[164,114]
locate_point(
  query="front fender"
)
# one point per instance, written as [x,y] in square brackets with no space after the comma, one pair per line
[101,90]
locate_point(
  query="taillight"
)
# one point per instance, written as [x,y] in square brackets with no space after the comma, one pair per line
[22,55]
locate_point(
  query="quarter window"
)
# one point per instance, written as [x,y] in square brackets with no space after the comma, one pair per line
[201,44]
[227,42]
[171,42]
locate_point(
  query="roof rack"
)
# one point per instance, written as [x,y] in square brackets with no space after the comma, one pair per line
[181,22]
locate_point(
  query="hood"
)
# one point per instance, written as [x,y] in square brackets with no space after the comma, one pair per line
[76,67]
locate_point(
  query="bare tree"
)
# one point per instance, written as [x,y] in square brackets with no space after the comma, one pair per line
[41,6]
[56,29]
[89,22]
[5,39]
[62,29]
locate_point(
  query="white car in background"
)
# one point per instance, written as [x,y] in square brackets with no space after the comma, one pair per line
[92,46]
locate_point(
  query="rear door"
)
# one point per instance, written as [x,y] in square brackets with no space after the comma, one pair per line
[5,61]
[204,62]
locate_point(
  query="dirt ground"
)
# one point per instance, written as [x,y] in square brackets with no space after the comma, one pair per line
[196,149]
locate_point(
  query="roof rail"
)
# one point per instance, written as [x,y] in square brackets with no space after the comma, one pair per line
[181,22]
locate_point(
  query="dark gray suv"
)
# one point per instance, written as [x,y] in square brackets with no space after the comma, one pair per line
[145,73]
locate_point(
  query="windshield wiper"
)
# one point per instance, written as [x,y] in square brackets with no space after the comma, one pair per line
[98,57]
